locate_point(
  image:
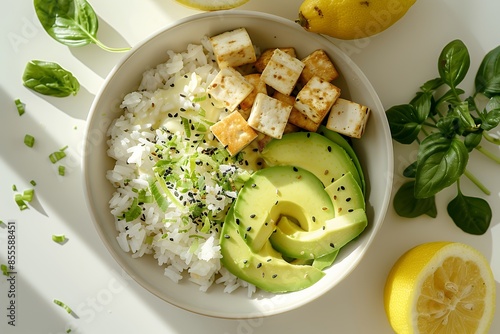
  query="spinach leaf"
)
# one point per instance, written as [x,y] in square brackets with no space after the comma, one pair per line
[453,63]
[440,162]
[406,205]
[70,22]
[49,78]
[471,214]
[487,79]
[404,123]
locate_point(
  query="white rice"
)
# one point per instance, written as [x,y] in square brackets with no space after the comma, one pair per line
[182,237]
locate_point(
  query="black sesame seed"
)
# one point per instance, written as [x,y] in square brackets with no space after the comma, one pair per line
[295,169]
[348,199]
[237,221]
[249,228]
[275,275]
[329,148]
[259,265]
[226,236]
[313,219]
[252,215]
[332,245]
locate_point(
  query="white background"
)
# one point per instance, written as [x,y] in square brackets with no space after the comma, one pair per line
[82,273]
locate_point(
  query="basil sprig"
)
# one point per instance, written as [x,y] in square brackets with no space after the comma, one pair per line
[71,22]
[49,78]
[447,128]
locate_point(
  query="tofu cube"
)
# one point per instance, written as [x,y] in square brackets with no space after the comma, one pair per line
[348,118]
[259,86]
[296,118]
[282,72]
[230,88]
[266,55]
[316,98]
[269,115]
[318,64]
[234,132]
[233,48]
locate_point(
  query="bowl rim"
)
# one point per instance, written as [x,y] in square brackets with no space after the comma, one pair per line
[202,16]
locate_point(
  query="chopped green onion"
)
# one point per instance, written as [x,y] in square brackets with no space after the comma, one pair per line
[20,107]
[5,269]
[187,129]
[160,200]
[2,224]
[59,238]
[63,305]
[134,211]
[56,156]
[20,202]
[149,240]
[62,170]
[28,195]
[33,183]
[29,140]
[14,187]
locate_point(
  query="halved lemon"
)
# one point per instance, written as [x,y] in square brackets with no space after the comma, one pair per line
[440,287]
[210,5]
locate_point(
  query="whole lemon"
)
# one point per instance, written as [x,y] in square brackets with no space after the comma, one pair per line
[440,287]
[351,19]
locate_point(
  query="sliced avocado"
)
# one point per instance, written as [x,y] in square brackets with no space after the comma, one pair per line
[276,191]
[292,241]
[346,195]
[313,152]
[340,140]
[265,269]
[321,262]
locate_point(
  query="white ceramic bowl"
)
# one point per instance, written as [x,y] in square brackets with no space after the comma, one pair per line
[374,150]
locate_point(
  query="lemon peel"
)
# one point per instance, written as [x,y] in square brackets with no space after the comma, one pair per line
[351,19]
[440,287]
[211,5]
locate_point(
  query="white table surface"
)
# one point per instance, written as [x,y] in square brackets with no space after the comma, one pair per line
[83,274]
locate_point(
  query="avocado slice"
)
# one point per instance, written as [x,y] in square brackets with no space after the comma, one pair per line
[346,195]
[313,152]
[292,241]
[266,269]
[340,140]
[275,191]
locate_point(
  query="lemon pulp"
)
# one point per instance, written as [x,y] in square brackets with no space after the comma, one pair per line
[440,287]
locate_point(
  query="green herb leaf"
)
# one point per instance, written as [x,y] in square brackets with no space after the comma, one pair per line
[423,104]
[487,79]
[472,140]
[70,22]
[491,116]
[453,63]
[406,205]
[49,78]
[431,85]
[404,123]
[440,162]
[471,214]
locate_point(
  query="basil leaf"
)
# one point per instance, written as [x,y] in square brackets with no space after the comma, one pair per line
[411,170]
[453,63]
[472,140]
[440,162]
[70,22]
[404,123]
[423,104]
[471,214]
[49,78]
[406,205]
[467,123]
[491,116]
[431,85]
[449,126]
[487,79]
[450,97]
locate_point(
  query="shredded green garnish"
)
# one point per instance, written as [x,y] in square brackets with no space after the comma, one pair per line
[58,155]
[29,140]
[63,305]
[134,211]
[5,269]
[59,238]
[28,195]
[61,170]
[18,198]
[20,107]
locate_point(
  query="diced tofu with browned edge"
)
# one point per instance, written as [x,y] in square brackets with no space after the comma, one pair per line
[296,118]
[266,55]
[316,98]
[318,63]
[282,72]
[230,88]
[234,132]
[269,115]
[233,48]
[348,118]
[259,86]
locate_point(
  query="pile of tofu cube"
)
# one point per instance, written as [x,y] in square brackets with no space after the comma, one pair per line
[280,93]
